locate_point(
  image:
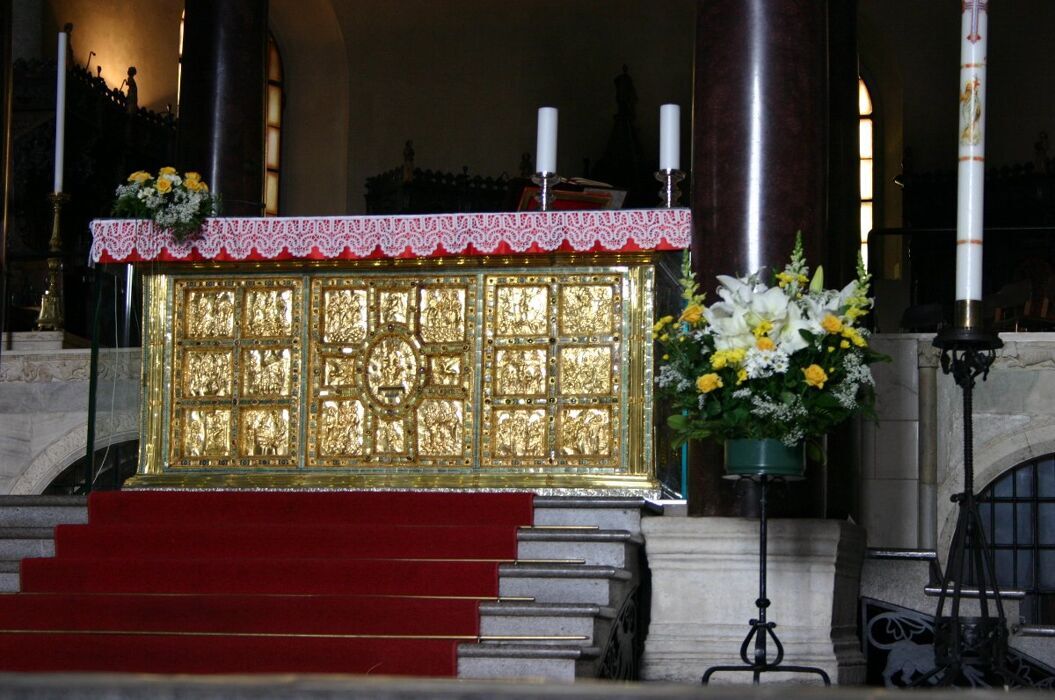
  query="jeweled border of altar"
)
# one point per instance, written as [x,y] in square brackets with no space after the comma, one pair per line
[411,236]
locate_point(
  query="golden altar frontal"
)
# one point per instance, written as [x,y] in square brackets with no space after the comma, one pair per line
[364,369]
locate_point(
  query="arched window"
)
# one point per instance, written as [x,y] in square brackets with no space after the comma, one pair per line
[867,157]
[1018,515]
[273,137]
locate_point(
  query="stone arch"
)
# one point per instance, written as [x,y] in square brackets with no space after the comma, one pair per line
[315,131]
[53,459]
[994,458]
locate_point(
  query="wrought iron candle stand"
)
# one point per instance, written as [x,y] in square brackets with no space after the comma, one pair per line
[960,641]
[761,628]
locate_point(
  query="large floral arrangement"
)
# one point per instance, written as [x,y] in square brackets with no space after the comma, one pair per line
[785,361]
[174,202]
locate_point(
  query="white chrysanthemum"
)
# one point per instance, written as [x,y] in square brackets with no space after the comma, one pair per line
[765,363]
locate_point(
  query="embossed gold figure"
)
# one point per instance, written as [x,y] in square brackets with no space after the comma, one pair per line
[345,316]
[394,307]
[210,314]
[586,370]
[586,309]
[520,433]
[265,432]
[266,372]
[338,372]
[521,371]
[439,427]
[207,373]
[442,315]
[341,428]
[389,436]
[392,368]
[521,310]
[585,432]
[445,370]
[268,312]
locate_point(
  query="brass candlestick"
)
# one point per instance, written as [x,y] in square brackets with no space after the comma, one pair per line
[51,304]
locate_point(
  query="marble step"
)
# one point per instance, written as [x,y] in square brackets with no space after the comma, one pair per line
[566,621]
[591,547]
[605,513]
[19,543]
[526,661]
[42,511]
[564,583]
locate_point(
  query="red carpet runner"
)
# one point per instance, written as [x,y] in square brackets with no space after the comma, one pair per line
[231,582]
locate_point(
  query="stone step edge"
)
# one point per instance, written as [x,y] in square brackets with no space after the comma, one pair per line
[525,609]
[578,535]
[512,650]
[563,571]
[43,501]
[617,502]
[27,533]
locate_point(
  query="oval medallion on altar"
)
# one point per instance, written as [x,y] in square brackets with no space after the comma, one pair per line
[391,370]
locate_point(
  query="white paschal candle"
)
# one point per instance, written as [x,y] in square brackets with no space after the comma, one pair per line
[669,137]
[546,143]
[60,111]
[974,22]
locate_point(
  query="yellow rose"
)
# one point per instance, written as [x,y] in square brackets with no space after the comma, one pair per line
[692,314]
[202,187]
[815,376]
[163,186]
[708,383]
[139,176]
[765,343]
[192,176]
[167,170]
[832,324]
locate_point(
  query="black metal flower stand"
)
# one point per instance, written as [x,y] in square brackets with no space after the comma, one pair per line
[969,641]
[761,628]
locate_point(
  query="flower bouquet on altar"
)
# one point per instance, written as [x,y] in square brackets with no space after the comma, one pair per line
[177,203]
[783,362]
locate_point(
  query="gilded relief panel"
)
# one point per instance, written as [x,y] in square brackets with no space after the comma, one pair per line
[553,360]
[235,399]
[391,381]
[454,376]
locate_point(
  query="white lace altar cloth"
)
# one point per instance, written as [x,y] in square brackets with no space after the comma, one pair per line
[416,236]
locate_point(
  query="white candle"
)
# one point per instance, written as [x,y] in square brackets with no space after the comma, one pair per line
[974,34]
[546,143]
[669,137]
[60,111]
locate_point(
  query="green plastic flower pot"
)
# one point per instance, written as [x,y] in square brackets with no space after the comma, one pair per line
[748,457]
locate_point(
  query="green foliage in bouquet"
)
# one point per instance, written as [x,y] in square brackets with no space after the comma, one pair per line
[177,203]
[786,360]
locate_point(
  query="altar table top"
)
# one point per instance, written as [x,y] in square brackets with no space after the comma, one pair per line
[413,236]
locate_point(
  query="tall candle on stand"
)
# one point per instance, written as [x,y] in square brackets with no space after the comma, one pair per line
[669,137]
[974,22]
[60,111]
[546,143]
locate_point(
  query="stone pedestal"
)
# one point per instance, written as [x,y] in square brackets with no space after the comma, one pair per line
[704,586]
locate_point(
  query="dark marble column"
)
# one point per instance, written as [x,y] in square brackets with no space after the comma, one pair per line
[760,113]
[222,92]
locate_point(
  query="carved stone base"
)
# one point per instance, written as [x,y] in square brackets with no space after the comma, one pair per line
[704,585]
